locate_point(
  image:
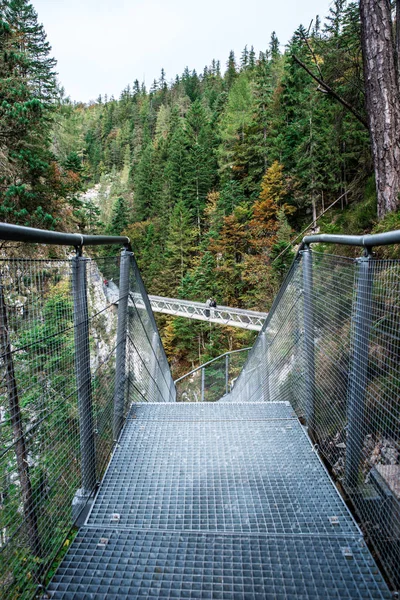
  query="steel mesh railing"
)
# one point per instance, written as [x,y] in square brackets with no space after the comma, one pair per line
[71,369]
[149,376]
[213,380]
[57,399]
[333,352]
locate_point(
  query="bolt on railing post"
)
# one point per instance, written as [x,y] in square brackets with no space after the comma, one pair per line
[309,338]
[202,384]
[358,372]
[226,373]
[84,384]
[120,360]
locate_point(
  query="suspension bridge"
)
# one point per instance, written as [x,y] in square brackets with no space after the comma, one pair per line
[133,494]
[221,315]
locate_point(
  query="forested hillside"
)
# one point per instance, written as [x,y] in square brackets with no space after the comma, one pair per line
[210,174]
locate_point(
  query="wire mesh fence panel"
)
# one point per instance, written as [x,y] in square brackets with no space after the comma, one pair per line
[214,380]
[58,348]
[103,294]
[284,341]
[235,365]
[274,359]
[375,489]
[332,299]
[149,376]
[189,388]
[39,429]
[348,390]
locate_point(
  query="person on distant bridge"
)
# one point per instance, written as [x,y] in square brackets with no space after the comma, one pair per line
[208,304]
[213,305]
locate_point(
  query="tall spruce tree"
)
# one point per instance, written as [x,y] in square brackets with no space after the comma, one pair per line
[201,162]
[119,217]
[29,179]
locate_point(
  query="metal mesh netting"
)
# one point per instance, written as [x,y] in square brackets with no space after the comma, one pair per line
[212,381]
[148,372]
[275,361]
[345,384]
[41,414]
[38,430]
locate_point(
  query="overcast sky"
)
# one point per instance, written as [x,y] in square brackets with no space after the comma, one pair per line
[102,45]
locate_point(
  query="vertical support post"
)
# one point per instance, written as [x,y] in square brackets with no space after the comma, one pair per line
[202,384]
[227,374]
[154,392]
[172,391]
[358,377]
[120,361]
[265,370]
[84,384]
[309,338]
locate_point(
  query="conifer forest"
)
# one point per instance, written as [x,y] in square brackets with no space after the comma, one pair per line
[213,175]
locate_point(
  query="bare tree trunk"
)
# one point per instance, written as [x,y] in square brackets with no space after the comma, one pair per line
[398,38]
[382,99]
[314,212]
[18,433]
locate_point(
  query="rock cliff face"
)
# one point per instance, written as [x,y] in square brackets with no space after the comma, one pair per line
[101,307]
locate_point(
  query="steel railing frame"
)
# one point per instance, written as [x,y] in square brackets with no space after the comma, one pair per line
[366,241]
[88,435]
[17,233]
[203,367]
[360,331]
[359,341]
[359,344]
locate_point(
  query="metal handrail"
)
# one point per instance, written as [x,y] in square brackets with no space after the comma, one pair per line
[17,233]
[366,241]
[210,362]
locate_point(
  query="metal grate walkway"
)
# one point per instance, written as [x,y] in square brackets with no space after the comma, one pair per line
[217,501]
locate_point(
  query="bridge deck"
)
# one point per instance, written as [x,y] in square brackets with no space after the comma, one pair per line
[217,501]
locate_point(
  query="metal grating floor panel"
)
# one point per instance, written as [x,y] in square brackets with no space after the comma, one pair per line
[212,411]
[217,501]
[234,475]
[107,564]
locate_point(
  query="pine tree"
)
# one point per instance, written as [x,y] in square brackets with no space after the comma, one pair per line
[274,46]
[201,162]
[31,43]
[264,224]
[73,163]
[29,180]
[143,184]
[252,58]
[119,218]
[180,244]
[176,169]
[234,126]
[244,61]
[231,72]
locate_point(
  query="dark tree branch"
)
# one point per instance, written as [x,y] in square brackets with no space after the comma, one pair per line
[305,39]
[327,88]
